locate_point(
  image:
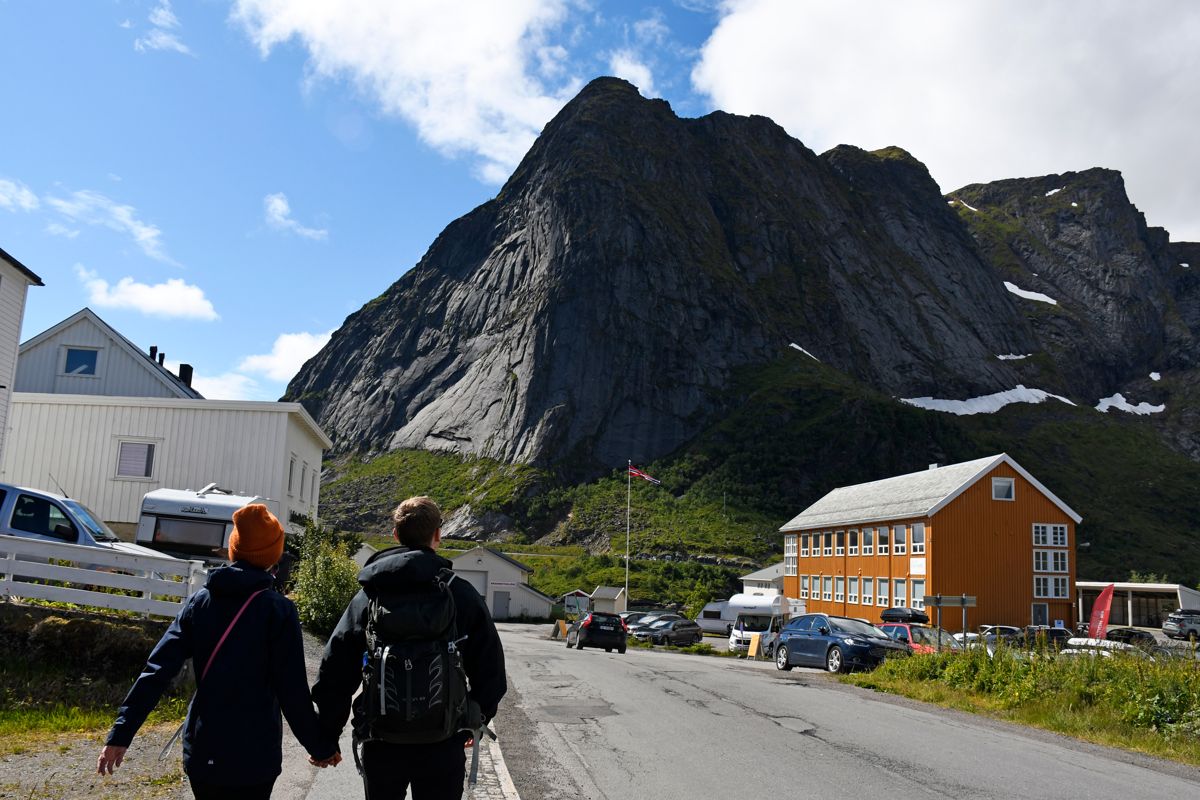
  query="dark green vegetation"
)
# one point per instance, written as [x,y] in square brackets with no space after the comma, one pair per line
[324,578]
[66,671]
[1123,701]
[792,432]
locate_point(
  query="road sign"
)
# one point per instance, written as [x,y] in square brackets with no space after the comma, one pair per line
[950,600]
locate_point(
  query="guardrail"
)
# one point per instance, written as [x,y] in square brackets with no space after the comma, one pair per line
[69,573]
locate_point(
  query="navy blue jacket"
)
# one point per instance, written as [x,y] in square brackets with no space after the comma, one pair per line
[234,734]
[342,665]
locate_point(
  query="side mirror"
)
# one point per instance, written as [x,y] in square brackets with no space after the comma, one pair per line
[66,532]
[902,637]
[824,631]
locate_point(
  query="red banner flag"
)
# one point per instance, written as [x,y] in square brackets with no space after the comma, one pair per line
[637,473]
[1098,624]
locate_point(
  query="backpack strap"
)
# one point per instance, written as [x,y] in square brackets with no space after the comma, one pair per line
[225,635]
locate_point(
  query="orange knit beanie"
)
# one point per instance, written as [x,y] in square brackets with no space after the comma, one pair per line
[257,537]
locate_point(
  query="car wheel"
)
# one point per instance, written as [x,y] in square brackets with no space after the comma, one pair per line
[621,649]
[834,662]
[568,643]
[608,649]
[699,638]
[781,659]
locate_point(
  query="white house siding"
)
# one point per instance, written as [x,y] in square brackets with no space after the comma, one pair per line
[234,444]
[118,372]
[299,443]
[13,286]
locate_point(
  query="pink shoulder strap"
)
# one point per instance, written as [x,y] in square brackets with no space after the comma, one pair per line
[225,635]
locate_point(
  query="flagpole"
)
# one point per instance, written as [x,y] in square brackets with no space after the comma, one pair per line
[628,489]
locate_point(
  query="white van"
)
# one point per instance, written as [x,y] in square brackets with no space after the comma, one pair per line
[192,524]
[755,613]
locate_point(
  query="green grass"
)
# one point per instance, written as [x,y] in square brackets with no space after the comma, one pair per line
[1126,702]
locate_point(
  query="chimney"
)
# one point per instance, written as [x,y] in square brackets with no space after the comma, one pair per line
[153,351]
[185,374]
[161,357]
[933,466]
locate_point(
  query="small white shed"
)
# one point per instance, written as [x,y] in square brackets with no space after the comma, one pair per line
[503,582]
[609,598]
[766,578]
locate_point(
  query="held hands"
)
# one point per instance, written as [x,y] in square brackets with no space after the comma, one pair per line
[332,761]
[110,758]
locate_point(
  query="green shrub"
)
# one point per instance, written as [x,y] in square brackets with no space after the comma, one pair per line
[325,581]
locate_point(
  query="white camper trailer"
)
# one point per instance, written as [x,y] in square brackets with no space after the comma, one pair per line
[192,524]
[761,612]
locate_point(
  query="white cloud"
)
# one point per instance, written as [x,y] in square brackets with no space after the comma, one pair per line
[94,208]
[279,216]
[287,355]
[126,24]
[58,229]
[979,91]
[652,29]
[626,64]
[162,35]
[16,196]
[467,75]
[173,299]
[227,386]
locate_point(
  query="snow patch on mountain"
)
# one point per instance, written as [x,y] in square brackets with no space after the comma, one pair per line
[987,404]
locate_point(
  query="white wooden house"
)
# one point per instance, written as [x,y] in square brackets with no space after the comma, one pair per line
[99,419]
[767,578]
[503,583]
[15,280]
[610,599]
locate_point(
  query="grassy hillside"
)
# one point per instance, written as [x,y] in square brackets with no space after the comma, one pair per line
[792,432]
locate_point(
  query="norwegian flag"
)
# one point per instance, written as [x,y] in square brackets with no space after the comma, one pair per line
[637,473]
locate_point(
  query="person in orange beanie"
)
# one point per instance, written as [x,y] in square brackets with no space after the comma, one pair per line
[248,654]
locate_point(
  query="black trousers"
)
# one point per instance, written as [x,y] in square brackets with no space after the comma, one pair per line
[435,771]
[211,791]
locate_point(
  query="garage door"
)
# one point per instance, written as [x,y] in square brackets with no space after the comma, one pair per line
[476,578]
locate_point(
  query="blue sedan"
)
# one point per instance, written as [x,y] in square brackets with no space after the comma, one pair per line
[836,643]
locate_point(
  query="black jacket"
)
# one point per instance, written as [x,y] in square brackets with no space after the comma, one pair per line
[342,665]
[233,735]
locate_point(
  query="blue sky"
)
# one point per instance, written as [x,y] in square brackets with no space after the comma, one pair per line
[229,179]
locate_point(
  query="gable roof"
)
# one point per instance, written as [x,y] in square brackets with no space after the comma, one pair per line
[765,574]
[19,267]
[496,553]
[608,592]
[164,375]
[918,494]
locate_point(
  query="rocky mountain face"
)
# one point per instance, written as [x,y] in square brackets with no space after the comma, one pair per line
[637,264]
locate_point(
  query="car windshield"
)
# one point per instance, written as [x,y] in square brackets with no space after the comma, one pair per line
[99,531]
[853,627]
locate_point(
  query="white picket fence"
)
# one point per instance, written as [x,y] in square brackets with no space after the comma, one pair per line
[74,571]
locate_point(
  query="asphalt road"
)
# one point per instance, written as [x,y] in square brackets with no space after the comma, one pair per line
[651,724]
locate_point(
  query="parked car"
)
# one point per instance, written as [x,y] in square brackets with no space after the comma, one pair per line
[679,632]
[1183,624]
[632,617]
[650,619]
[836,643]
[1143,639]
[1009,633]
[904,614]
[598,629]
[47,517]
[1057,638]
[1083,646]
[921,638]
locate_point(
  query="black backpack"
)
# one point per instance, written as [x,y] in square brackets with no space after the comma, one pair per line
[414,683]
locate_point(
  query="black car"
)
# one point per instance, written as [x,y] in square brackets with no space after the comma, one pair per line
[598,629]
[649,620]
[679,632]
[1133,636]
[1044,635]
[836,643]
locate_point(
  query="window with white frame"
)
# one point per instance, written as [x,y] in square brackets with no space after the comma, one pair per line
[814,588]
[839,589]
[918,538]
[135,459]
[900,593]
[853,543]
[1041,560]
[312,495]
[868,591]
[1059,586]
[827,587]
[804,545]
[81,361]
[1041,586]
[883,541]
[1058,561]
[1058,535]
[884,588]
[292,476]
[852,590]
[303,480]
[803,587]
[1003,489]
[1050,561]
[918,594]
[899,540]
[868,537]
[1047,535]
[828,543]
[841,543]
